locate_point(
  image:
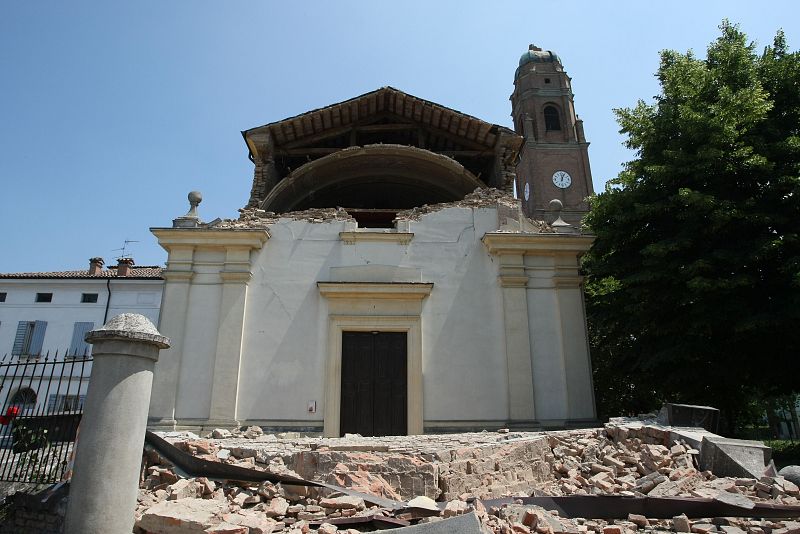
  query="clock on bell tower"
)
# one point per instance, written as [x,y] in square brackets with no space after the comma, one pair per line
[554,160]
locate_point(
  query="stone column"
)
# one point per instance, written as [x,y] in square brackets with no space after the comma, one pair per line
[109,448]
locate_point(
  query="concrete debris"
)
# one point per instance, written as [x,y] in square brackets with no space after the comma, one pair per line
[424,503]
[445,478]
[734,457]
[183,515]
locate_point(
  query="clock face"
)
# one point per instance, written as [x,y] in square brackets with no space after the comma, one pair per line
[527,192]
[562,179]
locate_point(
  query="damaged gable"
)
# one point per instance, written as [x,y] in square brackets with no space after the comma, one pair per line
[487,152]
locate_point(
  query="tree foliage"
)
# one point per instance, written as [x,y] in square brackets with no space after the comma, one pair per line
[693,288]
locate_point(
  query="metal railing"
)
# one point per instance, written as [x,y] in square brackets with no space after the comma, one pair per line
[41,402]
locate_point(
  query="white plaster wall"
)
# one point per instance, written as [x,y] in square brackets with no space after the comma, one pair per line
[129,296]
[286,322]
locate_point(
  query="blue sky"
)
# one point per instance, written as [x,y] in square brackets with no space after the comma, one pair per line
[112,111]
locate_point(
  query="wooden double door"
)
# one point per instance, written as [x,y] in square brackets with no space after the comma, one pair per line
[374,385]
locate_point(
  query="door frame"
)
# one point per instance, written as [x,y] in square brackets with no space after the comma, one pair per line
[412,326]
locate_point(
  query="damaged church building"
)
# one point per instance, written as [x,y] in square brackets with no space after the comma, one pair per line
[383,279]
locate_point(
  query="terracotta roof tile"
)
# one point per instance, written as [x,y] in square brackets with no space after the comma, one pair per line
[138,272]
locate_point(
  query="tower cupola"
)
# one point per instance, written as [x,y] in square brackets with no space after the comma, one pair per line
[534,54]
[554,160]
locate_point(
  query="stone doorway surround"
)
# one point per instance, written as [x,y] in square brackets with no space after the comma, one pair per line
[366,307]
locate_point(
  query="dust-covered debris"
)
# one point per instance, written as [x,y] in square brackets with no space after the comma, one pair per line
[480,198]
[459,471]
[252,218]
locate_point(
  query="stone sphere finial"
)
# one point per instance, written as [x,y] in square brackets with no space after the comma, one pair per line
[195,198]
[191,219]
[559,224]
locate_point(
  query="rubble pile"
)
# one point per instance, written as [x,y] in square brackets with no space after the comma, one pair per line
[258,218]
[509,209]
[480,198]
[441,477]
[641,461]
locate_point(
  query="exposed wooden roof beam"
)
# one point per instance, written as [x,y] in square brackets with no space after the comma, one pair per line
[308,151]
[317,151]
[338,119]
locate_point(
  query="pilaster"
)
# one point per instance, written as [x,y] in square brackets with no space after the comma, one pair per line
[227,363]
[530,264]
[514,281]
[185,274]
[174,308]
[577,363]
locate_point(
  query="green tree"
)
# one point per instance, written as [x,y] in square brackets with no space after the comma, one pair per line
[693,288]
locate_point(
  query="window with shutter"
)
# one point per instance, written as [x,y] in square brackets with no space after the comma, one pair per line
[22,338]
[79,347]
[29,338]
[37,338]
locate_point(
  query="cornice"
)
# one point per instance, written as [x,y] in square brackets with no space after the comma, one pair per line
[536,244]
[210,238]
[375,290]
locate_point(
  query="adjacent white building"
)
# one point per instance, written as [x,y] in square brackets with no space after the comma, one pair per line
[44,313]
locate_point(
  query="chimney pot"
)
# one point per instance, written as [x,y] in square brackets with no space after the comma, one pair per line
[124,266]
[95,266]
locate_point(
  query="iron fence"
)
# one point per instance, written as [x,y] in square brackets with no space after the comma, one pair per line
[41,405]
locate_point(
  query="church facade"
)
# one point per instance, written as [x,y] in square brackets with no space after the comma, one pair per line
[383,279]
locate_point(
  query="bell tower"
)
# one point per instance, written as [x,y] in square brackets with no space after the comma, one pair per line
[554,160]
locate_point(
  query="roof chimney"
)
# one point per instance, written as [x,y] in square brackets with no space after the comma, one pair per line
[124,266]
[95,266]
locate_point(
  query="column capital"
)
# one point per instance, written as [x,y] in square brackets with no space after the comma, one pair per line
[129,327]
[235,276]
[513,280]
[514,244]
[177,276]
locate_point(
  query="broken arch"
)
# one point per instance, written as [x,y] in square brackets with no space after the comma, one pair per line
[373,177]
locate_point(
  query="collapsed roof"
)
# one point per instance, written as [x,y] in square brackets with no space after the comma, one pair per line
[411,152]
